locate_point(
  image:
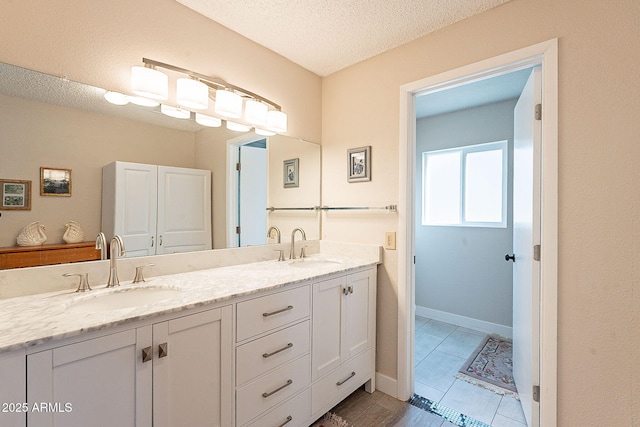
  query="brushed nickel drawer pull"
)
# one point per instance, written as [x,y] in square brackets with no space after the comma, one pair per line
[163,350]
[146,355]
[289,382]
[278,311]
[265,355]
[289,418]
[353,374]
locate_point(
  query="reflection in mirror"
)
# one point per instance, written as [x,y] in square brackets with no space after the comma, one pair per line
[52,122]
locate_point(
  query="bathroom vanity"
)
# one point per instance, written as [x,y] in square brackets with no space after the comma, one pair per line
[269,343]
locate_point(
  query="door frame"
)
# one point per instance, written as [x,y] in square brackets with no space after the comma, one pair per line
[545,54]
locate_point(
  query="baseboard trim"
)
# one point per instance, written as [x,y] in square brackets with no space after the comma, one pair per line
[465,322]
[387,385]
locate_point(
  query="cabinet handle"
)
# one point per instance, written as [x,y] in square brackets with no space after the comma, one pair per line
[289,418]
[350,289]
[163,350]
[265,355]
[160,240]
[146,354]
[289,382]
[152,237]
[345,291]
[353,374]
[278,311]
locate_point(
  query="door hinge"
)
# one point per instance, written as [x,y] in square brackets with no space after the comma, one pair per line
[536,252]
[238,230]
[536,393]
[414,259]
[538,111]
[238,166]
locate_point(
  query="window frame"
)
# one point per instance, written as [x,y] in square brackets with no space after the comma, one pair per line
[464,150]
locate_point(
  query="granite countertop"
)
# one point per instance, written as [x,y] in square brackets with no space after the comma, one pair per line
[31,320]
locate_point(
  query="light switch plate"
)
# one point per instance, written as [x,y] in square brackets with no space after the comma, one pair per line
[390,240]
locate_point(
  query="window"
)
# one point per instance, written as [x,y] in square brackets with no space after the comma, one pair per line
[465,186]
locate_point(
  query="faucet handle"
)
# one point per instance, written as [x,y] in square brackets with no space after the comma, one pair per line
[83,284]
[139,276]
[281,256]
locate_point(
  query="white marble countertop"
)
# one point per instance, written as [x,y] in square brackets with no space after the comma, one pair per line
[31,320]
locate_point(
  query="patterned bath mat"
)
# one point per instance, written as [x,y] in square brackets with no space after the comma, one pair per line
[492,363]
[331,420]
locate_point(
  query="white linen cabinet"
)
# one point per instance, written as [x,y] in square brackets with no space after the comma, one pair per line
[156,209]
[172,373]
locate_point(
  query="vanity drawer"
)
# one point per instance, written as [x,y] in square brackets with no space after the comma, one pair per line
[262,314]
[293,412]
[340,383]
[261,355]
[270,390]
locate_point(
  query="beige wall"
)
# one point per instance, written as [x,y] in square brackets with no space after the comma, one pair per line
[599,215]
[33,134]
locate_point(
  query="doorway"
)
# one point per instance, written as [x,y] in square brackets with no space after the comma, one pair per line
[463,228]
[544,54]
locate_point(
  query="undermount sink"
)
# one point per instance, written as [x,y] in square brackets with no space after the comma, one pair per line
[312,263]
[122,298]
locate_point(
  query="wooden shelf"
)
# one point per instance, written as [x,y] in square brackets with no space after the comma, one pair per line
[31,256]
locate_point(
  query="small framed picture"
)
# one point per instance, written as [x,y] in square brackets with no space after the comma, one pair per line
[16,195]
[55,182]
[359,162]
[291,173]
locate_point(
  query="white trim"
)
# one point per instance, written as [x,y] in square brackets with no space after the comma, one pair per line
[465,322]
[386,384]
[545,53]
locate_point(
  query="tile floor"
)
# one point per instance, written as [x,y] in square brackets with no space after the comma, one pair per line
[440,351]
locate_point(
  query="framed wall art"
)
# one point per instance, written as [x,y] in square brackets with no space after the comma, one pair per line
[359,164]
[291,173]
[55,182]
[16,195]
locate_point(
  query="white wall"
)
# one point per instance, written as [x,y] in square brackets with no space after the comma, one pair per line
[461,270]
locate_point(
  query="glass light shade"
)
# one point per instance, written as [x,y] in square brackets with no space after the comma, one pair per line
[116,98]
[277,121]
[149,83]
[192,94]
[143,102]
[228,104]
[204,120]
[255,112]
[263,132]
[237,127]
[178,113]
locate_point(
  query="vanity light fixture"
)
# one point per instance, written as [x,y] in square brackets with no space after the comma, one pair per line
[149,83]
[143,102]
[204,120]
[192,93]
[116,98]
[237,127]
[196,89]
[263,132]
[178,113]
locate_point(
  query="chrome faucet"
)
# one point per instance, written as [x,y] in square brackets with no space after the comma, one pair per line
[277,230]
[101,244]
[292,253]
[117,249]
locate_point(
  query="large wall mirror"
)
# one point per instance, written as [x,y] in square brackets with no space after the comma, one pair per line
[48,121]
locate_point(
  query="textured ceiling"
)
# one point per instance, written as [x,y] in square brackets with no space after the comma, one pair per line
[325,36]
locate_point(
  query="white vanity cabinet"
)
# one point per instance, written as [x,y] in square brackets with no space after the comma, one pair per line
[157,209]
[343,341]
[172,373]
[13,389]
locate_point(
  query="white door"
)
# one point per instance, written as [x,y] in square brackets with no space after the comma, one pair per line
[184,210]
[252,197]
[526,234]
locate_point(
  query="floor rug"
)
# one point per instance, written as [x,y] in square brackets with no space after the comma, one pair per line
[454,417]
[491,363]
[331,420]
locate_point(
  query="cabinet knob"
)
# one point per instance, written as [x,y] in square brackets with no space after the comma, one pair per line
[163,350]
[146,355]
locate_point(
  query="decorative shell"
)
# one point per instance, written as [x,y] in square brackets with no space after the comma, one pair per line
[73,233]
[32,235]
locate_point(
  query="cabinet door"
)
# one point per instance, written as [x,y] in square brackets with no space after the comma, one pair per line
[192,376]
[91,383]
[358,319]
[184,210]
[13,389]
[328,315]
[129,206]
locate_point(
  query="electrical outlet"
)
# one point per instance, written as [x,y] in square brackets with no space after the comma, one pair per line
[390,240]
